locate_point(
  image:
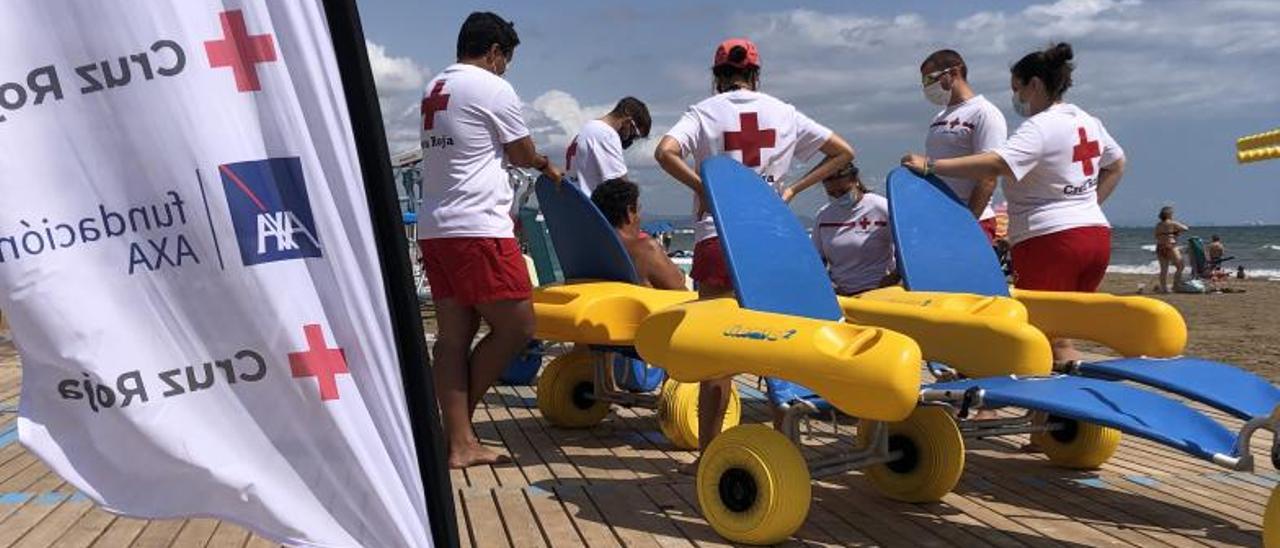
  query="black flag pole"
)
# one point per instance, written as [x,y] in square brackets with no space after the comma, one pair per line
[393,258]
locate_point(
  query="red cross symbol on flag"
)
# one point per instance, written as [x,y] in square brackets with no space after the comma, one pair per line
[240,51]
[434,102]
[1085,152]
[749,139]
[319,361]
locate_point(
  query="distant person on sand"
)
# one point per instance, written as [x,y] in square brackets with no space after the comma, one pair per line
[1059,166]
[967,124]
[595,154]
[619,201]
[1167,232]
[766,135]
[472,124]
[852,235]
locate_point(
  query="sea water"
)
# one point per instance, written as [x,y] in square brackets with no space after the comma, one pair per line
[1257,248]
[1133,250]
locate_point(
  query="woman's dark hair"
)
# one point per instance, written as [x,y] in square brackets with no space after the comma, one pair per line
[1053,66]
[481,31]
[1166,213]
[728,76]
[615,198]
[850,170]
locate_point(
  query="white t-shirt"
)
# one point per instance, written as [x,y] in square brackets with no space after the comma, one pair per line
[968,128]
[763,133]
[856,243]
[1055,157]
[469,113]
[595,156]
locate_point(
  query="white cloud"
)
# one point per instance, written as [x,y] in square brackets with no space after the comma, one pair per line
[555,117]
[400,82]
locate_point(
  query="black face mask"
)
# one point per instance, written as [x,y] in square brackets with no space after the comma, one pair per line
[626,143]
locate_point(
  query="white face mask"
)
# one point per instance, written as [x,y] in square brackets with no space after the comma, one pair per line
[936,95]
[1023,108]
[844,200]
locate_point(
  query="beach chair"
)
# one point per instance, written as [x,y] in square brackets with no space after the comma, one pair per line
[785,323]
[598,308]
[752,482]
[1077,415]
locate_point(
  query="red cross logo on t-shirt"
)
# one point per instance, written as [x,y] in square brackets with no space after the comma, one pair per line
[434,102]
[864,223]
[570,153]
[1085,152]
[240,51]
[318,361]
[750,139]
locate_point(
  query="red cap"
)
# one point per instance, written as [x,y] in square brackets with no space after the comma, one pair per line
[722,53]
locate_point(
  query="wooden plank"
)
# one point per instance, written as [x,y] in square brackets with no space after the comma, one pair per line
[483,520]
[228,535]
[52,526]
[196,532]
[517,517]
[586,517]
[85,530]
[557,525]
[158,534]
[121,532]
[256,541]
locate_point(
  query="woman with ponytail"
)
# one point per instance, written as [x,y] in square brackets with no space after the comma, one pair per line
[766,135]
[1059,166]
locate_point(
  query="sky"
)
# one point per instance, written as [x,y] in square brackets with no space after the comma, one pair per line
[1174,81]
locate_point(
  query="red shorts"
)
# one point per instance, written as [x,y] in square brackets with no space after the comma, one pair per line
[475,271]
[1072,260]
[989,228]
[709,267]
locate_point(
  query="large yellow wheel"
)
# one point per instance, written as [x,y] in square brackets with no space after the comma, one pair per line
[1271,521]
[566,390]
[753,485]
[931,461]
[1075,444]
[678,412]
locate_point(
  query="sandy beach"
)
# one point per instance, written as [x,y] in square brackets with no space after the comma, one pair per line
[1236,328]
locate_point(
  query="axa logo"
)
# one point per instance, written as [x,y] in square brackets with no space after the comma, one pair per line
[270,210]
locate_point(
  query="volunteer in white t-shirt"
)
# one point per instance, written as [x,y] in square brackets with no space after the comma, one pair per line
[471,124]
[852,234]
[595,154]
[1059,167]
[968,124]
[765,134]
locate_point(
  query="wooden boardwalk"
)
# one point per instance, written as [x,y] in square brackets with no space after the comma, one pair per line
[617,485]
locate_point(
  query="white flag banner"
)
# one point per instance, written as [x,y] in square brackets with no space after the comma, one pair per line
[188,267]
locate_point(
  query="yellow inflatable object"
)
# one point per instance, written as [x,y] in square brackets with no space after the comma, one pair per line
[1132,326]
[932,457]
[678,412]
[967,303]
[866,372]
[1258,147]
[605,313]
[565,390]
[753,485]
[1077,445]
[977,336]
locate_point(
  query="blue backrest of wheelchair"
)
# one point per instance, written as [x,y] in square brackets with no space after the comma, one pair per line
[938,243]
[586,244]
[774,266]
